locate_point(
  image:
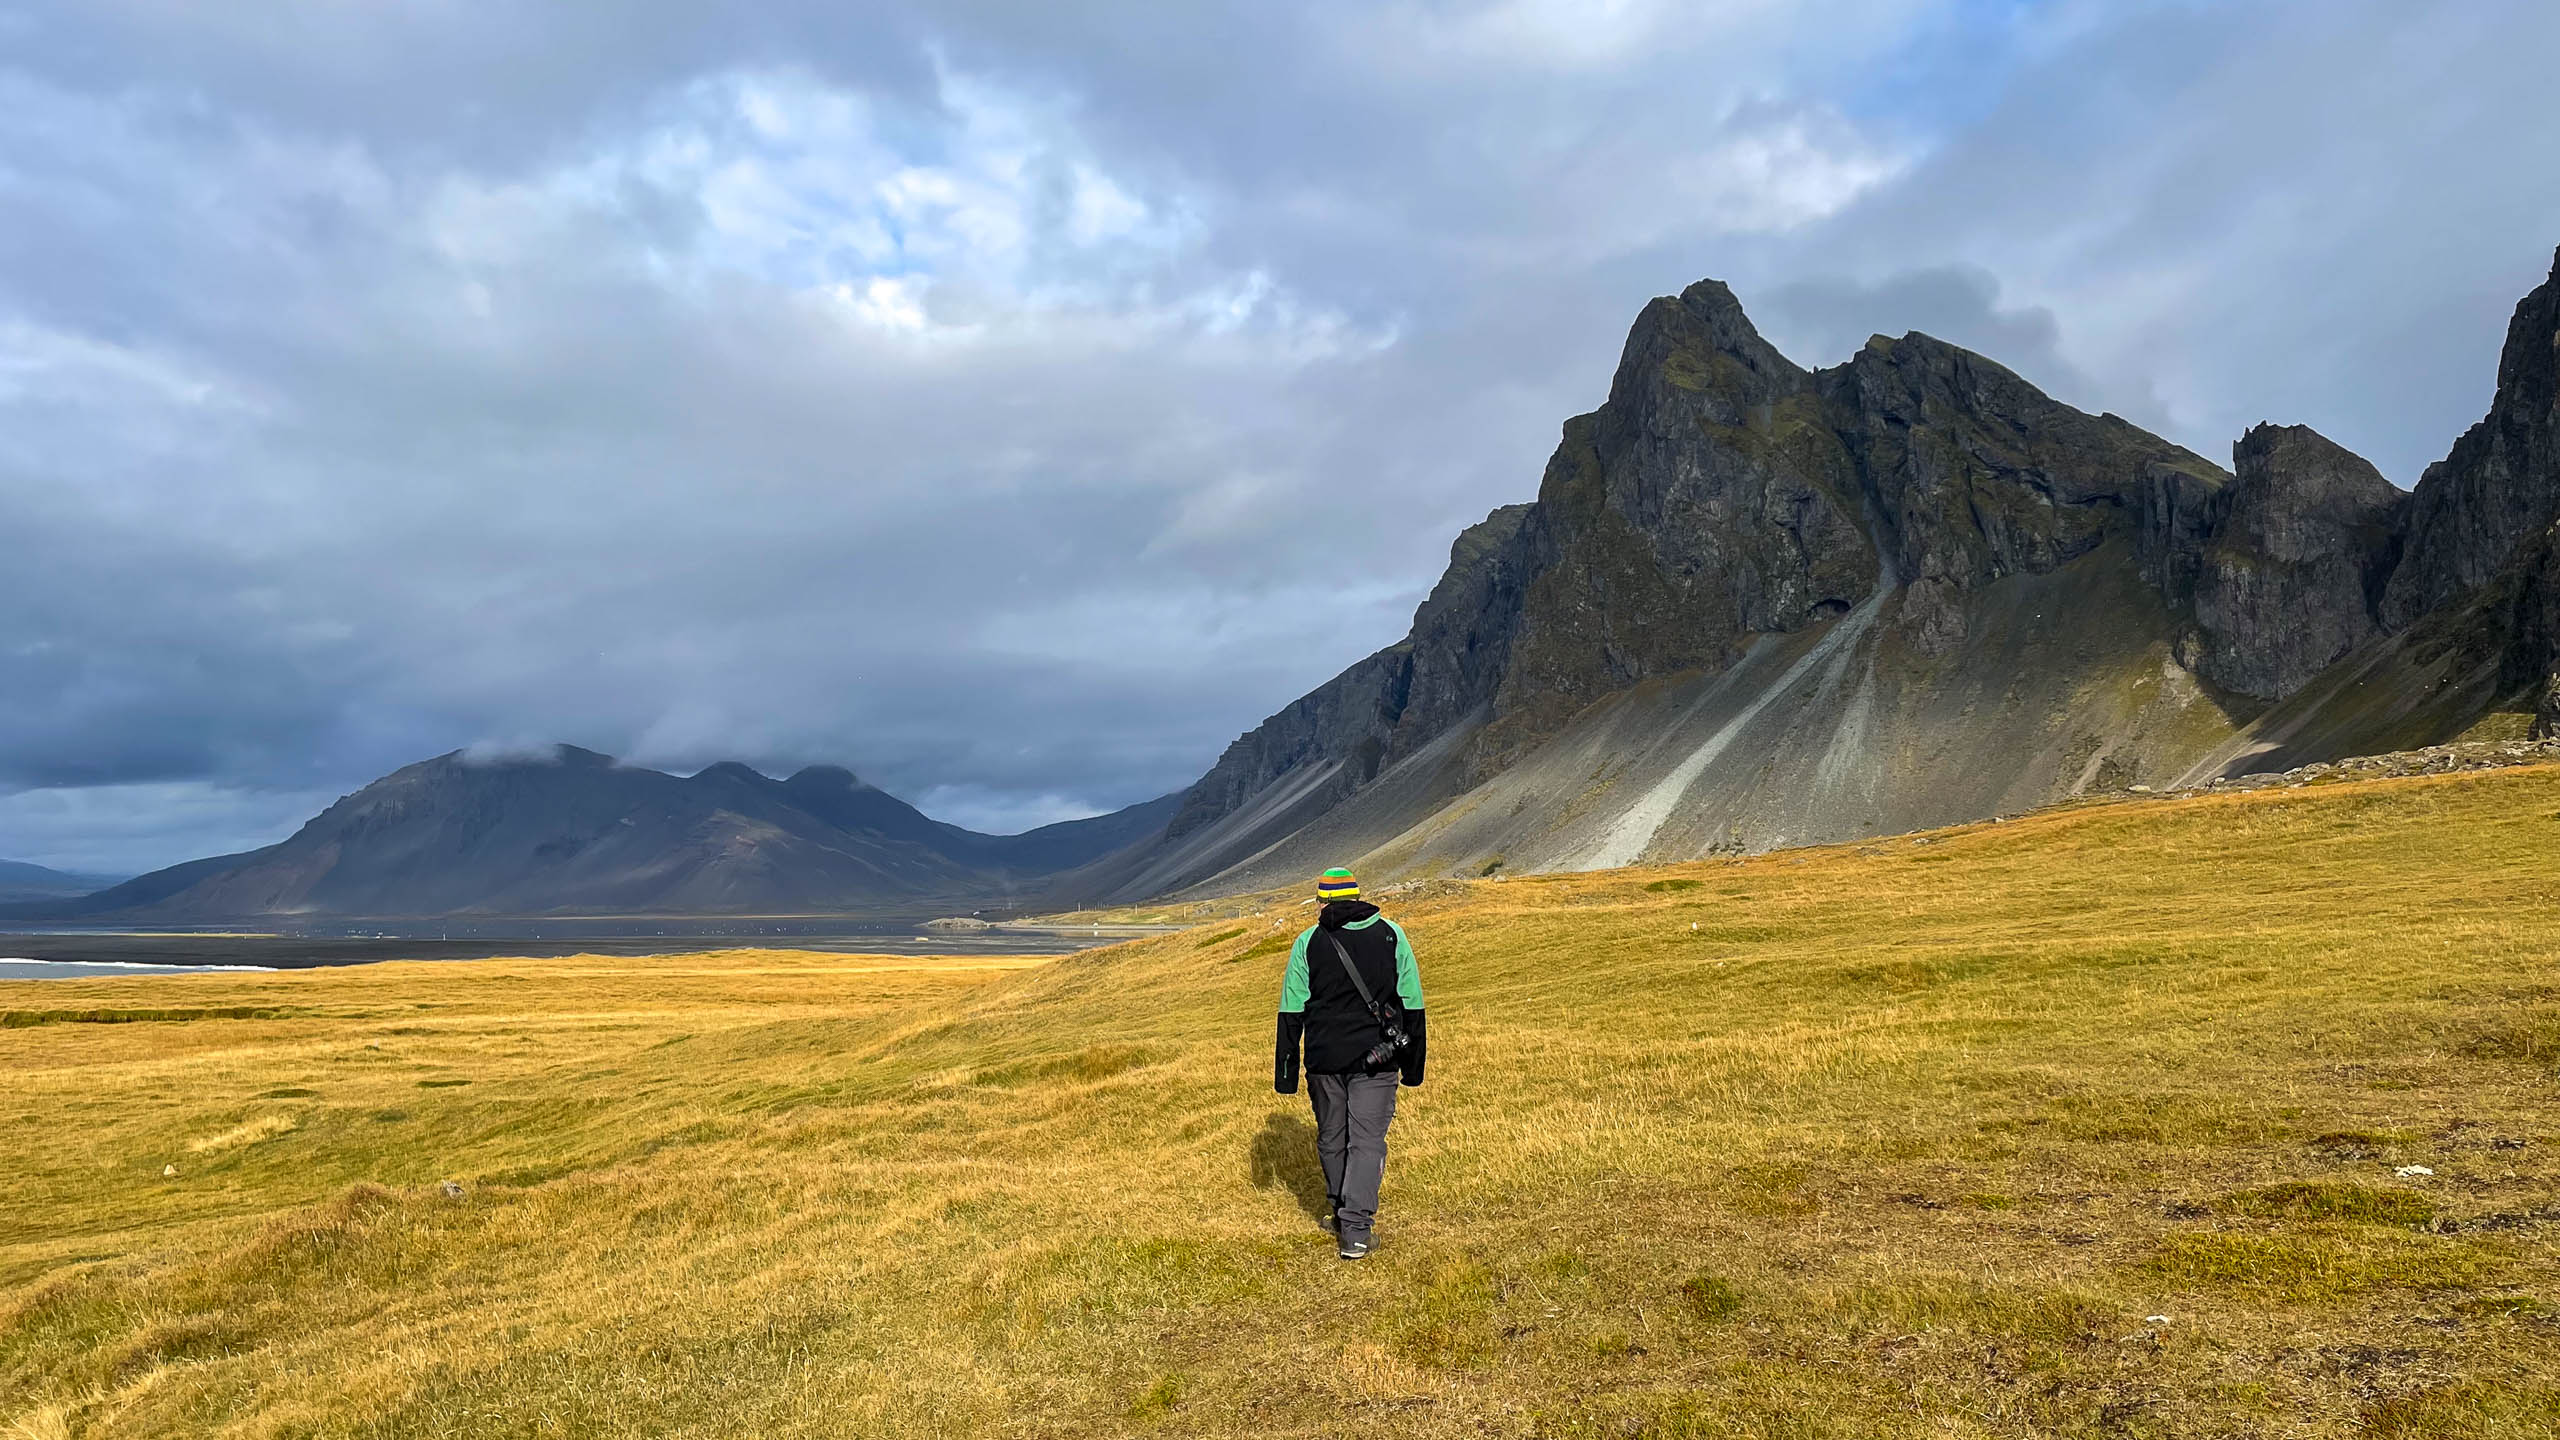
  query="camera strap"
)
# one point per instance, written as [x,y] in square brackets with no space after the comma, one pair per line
[1385,1018]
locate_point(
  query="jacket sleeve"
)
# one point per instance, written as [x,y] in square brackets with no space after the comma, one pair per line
[1408,971]
[1293,1019]
[1293,981]
[1284,1053]
[1409,994]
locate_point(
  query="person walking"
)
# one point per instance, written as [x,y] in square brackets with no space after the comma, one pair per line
[1353,996]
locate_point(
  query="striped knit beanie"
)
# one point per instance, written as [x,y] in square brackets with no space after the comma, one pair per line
[1337,884]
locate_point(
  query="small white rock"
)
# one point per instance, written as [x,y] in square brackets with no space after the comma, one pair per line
[168,1172]
[452,1189]
[2413,1170]
[2155,1319]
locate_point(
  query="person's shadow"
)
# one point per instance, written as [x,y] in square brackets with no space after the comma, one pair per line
[1284,1154]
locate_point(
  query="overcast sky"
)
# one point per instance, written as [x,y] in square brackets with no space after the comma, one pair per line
[1016,400]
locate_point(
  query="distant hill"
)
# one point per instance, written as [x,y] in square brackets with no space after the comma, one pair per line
[576,832]
[1757,605]
[20,881]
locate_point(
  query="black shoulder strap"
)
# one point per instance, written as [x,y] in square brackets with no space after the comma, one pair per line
[1342,953]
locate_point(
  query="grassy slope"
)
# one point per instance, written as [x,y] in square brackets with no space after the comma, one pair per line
[1906,1138]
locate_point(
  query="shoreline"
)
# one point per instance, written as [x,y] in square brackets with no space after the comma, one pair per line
[171,952]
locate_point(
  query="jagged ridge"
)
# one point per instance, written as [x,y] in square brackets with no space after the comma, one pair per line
[1754,603]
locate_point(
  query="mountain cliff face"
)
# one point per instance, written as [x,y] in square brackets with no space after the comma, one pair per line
[1755,604]
[2294,557]
[1338,736]
[2500,486]
[576,832]
[2466,580]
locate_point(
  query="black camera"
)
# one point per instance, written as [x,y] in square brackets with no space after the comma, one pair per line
[1384,1052]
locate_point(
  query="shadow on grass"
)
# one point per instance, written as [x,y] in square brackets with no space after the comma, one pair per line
[1284,1154]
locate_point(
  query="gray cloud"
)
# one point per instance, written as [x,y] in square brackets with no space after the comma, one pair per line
[1017,401]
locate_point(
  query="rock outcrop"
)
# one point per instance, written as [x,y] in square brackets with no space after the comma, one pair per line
[2295,555]
[2468,757]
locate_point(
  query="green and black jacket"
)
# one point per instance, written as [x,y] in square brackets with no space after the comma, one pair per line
[1318,1004]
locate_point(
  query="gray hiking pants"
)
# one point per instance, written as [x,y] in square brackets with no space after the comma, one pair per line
[1352,1112]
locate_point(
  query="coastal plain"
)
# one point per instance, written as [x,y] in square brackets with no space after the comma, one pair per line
[2214,1115]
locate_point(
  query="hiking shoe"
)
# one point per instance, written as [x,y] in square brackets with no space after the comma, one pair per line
[1328,1224]
[1354,1245]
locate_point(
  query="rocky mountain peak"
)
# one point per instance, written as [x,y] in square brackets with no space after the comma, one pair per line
[1726,328]
[1699,350]
[2297,550]
[1972,474]
[2500,484]
[2531,358]
[2291,477]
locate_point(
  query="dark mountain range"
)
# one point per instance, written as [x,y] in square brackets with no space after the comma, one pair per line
[577,833]
[1755,605]
[22,881]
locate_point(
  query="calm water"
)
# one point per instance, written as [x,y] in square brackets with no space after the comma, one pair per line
[22,969]
[60,954]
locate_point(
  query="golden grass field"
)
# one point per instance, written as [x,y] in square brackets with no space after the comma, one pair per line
[1914,1138]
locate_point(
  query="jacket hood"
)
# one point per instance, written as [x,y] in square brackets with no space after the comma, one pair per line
[1345,912]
